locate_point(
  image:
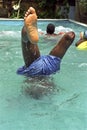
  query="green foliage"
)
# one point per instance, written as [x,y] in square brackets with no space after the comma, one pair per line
[83,4]
[50,10]
[45,9]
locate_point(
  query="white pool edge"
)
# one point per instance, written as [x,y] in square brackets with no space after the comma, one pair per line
[80,23]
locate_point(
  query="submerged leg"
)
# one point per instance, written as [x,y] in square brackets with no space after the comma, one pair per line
[60,49]
[30,37]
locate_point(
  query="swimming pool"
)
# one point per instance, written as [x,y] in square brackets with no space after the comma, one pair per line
[65,107]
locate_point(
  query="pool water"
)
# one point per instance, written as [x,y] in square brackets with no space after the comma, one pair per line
[63,104]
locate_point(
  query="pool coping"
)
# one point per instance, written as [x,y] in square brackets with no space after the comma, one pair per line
[77,22]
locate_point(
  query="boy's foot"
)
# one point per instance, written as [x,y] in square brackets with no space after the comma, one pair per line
[30,21]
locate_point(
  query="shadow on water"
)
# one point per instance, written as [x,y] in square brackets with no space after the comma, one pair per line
[37,87]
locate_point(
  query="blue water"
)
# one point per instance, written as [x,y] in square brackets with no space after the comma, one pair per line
[62,106]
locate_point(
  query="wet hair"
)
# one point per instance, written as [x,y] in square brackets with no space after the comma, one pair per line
[50,28]
[85,34]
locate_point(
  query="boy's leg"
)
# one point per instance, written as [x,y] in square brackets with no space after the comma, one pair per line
[30,37]
[79,42]
[60,49]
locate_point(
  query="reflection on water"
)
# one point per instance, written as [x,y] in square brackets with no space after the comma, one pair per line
[39,86]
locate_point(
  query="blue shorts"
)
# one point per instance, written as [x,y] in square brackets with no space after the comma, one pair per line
[44,65]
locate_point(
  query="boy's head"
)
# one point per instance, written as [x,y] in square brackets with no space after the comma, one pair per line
[83,35]
[50,28]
